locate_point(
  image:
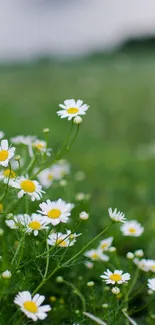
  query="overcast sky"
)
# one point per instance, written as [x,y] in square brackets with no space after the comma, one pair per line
[36,27]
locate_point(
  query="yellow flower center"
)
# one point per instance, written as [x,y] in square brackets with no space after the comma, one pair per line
[3,155]
[132,230]
[153,267]
[61,242]
[9,173]
[50,177]
[94,255]
[1,207]
[35,225]
[115,277]
[30,306]
[28,186]
[54,213]
[38,146]
[104,245]
[72,110]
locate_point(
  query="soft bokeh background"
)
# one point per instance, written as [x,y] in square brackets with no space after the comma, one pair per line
[42,63]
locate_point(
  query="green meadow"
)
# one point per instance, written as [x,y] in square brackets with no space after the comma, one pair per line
[120,90]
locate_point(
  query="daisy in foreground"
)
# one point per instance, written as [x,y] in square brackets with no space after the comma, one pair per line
[55,212]
[6,153]
[31,307]
[132,228]
[33,223]
[115,277]
[62,240]
[72,108]
[29,187]
[116,215]
[151,284]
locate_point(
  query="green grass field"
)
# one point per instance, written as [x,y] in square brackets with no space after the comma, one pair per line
[121,93]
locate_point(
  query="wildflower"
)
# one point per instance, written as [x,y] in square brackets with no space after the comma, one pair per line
[112,249]
[31,307]
[71,108]
[115,277]
[115,290]
[53,298]
[130,255]
[116,215]
[80,196]
[105,305]
[6,274]
[84,215]
[59,279]
[96,255]
[63,183]
[77,120]
[41,146]
[90,284]
[106,243]
[33,223]
[6,153]
[139,253]
[46,130]
[89,264]
[150,292]
[132,228]
[54,173]
[151,264]
[55,212]
[151,284]
[62,240]
[29,187]
[22,139]
[142,264]
[8,176]
[1,134]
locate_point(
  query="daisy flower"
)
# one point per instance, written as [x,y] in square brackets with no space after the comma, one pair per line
[151,284]
[25,140]
[142,264]
[54,173]
[115,277]
[72,108]
[106,243]
[19,221]
[55,212]
[22,139]
[29,187]
[132,228]
[7,176]
[96,255]
[116,215]
[151,265]
[62,240]
[41,146]
[31,306]
[6,153]
[1,134]
[35,223]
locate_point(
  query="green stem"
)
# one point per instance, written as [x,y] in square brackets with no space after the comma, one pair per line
[74,138]
[78,293]
[87,245]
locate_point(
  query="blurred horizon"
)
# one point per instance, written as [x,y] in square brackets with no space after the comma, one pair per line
[39,28]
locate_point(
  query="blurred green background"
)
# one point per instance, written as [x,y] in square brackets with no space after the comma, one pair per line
[120,92]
